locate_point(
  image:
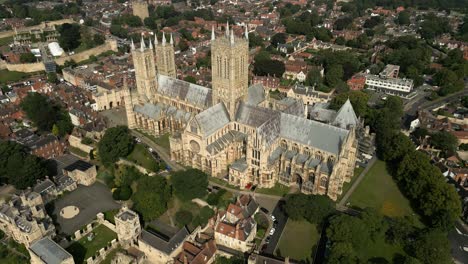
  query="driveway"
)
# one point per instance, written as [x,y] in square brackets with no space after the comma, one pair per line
[458,238]
[91,200]
[281,218]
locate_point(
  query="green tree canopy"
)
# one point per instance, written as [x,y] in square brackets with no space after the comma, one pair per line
[45,114]
[313,208]
[18,167]
[70,36]
[189,184]
[152,197]
[116,142]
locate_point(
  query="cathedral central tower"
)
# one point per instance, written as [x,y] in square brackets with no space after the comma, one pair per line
[145,70]
[229,70]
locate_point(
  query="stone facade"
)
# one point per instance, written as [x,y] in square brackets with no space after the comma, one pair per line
[127,226]
[233,131]
[140,9]
[24,218]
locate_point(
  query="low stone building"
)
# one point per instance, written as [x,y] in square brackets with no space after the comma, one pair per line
[161,250]
[46,251]
[82,172]
[127,226]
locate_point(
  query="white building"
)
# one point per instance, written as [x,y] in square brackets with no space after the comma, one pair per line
[392,86]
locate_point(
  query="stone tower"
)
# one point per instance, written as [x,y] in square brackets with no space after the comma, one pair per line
[140,9]
[229,69]
[165,61]
[127,226]
[131,122]
[145,70]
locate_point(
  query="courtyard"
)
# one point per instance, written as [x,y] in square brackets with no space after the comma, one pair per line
[85,248]
[378,190]
[298,241]
[90,200]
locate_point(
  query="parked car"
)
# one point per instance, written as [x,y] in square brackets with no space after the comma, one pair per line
[273,218]
[267,240]
[263,209]
[272,231]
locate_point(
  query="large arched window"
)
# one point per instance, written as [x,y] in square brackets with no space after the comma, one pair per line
[284,144]
[323,182]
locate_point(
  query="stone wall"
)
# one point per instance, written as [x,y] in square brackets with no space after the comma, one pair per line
[138,167]
[78,57]
[11,33]
[22,67]
[76,142]
[102,253]
[110,44]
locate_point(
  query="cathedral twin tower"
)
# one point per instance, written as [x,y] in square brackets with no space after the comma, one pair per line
[229,65]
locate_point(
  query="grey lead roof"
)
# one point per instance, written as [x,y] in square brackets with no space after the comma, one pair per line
[194,94]
[49,251]
[256,94]
[313,133]
[346,116]
[212,119]
[166,246]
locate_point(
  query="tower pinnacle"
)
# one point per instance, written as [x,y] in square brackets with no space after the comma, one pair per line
[132,45]
[164,39]
[246,32]
[172,40]
[212,33]
[227,29]
[142,44]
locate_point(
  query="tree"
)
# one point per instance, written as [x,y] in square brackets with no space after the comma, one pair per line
[358,100]
[444,141]
[404,18]
[70,36]
[190,79]
[55,130]
[189,184]
[52,77]
[313,208]
[27,57]
[99,39]
[116,142]
[152,197]
[333,75]
[255,40]
[278,38]
[314,77]
[150,23]
[432,246]
[18,167]
[44,114]
[183,217]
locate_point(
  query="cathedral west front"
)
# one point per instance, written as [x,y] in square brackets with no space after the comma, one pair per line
[233,130]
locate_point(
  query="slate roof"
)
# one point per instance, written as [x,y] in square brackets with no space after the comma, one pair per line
[256,94]
[346,116]
[49,251]
[194,94]
[212,119]
[313,133]
[78,165]
[254,116]
[239,165]
[161,244]
[156,111]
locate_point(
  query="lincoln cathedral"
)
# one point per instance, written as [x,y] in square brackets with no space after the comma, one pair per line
[235,131]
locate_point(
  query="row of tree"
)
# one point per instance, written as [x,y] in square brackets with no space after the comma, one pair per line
[418,179]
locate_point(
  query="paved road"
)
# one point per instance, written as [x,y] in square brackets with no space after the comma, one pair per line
[282,219]
[356,183]
[160,150]
[459,239]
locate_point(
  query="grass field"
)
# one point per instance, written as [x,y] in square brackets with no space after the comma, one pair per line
[278,190]
[381,249]
[7,76]
[7,40]
[378,190]
[83,249]
[347,185]
[141,156]
[298,241]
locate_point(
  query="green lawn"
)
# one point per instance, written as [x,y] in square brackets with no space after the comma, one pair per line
[78,152]
[141,156]
[110,256]
[347,185]
[162,141]
[7,76]
[83,249]
[278,190]
[6,41]
[222,182]
[298,241]
[378,190]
